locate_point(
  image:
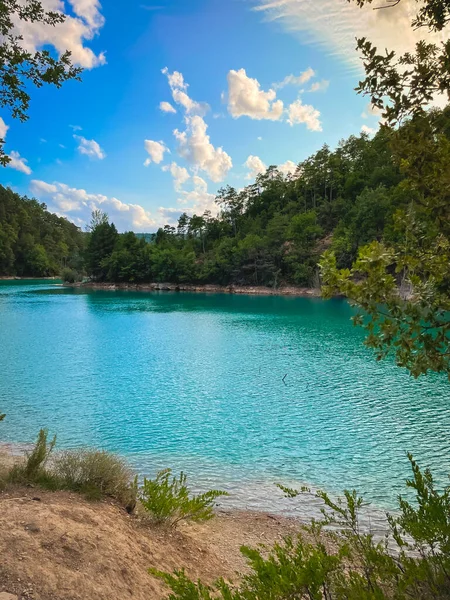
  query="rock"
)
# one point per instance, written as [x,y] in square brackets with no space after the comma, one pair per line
[6,596]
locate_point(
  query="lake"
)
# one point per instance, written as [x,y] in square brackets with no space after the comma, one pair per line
[195,382]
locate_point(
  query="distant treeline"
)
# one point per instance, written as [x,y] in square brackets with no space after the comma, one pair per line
[270,233]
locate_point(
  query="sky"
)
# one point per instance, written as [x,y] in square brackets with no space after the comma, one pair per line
[181,97]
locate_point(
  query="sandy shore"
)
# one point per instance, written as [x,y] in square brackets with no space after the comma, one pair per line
[58,546]
[209,289]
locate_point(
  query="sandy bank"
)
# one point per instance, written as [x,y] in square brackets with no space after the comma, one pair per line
[56,545]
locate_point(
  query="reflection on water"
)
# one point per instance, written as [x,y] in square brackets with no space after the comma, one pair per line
[195,381]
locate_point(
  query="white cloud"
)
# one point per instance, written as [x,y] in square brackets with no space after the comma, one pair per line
[169,216]
[192,201]
[167,107]
[319,86]
[18,163]
[304,113]
[334,25]
[198,199]
[179,87]
[371,111]
[304,77]
[259,138]
[245,98]
[194,146]
[82,25]
[77,205]
[176,79]
[255,166]
[156,151]
[180,174]
[3,129]
[90,148]
[76,127]
[288,167]
[368,130]
[191,106]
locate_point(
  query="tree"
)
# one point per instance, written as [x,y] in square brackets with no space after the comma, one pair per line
[404,86]
[98,217]
[403,287]
[102,241]
[19,67]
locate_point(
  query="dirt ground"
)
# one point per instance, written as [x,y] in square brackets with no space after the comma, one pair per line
[56,545]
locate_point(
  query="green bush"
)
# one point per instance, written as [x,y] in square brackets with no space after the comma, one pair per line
[70,275]
[168,501]
[95,473]
[353,565]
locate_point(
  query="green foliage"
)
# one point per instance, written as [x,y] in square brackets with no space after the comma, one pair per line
[32,470]
[95,473]
[102,240]
[168,500]
[19,68]
[401,281]
[70,275]
[404,85]
[332,559]
[35,242]
[272,232]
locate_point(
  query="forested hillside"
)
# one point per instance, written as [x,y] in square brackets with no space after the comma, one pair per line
[35,242]
[271,232]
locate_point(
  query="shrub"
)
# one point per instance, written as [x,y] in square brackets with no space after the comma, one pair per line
[95,473]
[167,499]
[358,567]
[32,469]
[70,275]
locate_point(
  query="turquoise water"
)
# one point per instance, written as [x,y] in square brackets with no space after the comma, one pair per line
[195,382]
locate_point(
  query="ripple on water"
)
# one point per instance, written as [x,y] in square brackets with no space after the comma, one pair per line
[195,382]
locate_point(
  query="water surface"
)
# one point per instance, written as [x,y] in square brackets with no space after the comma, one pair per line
[195,382]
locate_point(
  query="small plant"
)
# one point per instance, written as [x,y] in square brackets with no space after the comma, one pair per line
[95,473]
[167,499]
[70,275]
[33,468]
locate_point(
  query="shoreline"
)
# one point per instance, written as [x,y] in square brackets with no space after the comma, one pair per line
[300,292]
[16,278]
[246,496]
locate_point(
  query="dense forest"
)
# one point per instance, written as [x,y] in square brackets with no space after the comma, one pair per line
[274,231]
[35,242]
[270,233]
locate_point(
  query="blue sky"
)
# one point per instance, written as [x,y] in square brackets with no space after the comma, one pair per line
[253,83]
